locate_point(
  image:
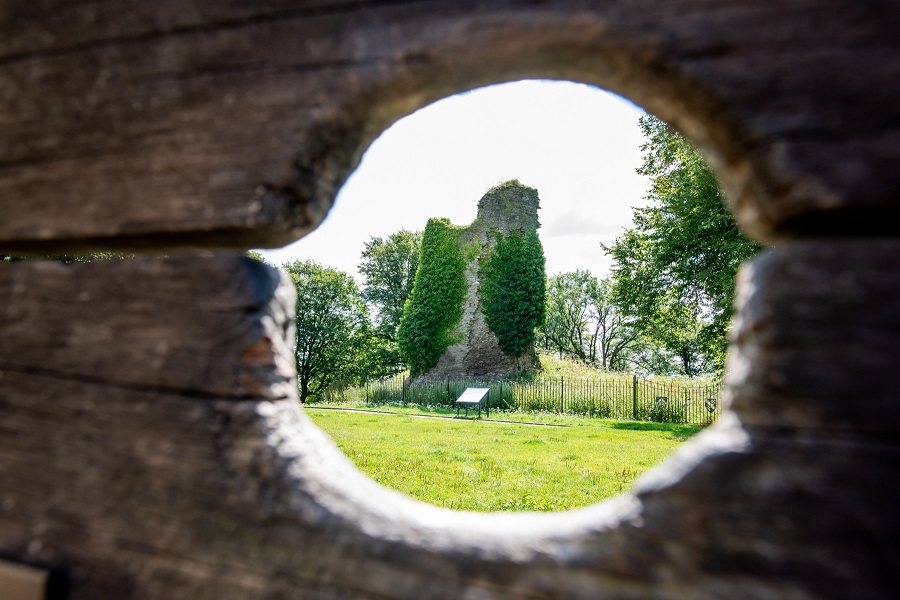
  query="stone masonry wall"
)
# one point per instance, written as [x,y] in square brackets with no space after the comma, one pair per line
[507,207]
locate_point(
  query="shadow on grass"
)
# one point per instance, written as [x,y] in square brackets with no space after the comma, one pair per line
[678,430]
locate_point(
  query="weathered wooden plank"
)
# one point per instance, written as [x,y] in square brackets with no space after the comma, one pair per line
[815,340]
[194,135]
[147,494]
[46,26]
[130,456]
[205,325]
[23,582]
[174,138]
[171,494]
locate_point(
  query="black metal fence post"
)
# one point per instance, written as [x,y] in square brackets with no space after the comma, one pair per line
[634,397]
[687,402]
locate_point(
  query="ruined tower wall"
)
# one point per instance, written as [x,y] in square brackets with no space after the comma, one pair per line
[505,208]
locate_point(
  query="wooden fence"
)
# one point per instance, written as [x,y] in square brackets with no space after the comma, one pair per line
[618,397]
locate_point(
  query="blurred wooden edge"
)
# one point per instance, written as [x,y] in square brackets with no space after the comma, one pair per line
[21,582]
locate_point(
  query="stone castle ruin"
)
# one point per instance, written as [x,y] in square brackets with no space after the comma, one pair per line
[505,208]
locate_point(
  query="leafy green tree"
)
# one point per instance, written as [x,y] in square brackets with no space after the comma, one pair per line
[674,270]
[435,303]
[255,255]
[646,356]
[388,268]
[380,358]
[513,290]
[583,323]
[332,326]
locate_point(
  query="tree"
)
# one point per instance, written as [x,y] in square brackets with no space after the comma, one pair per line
[332,326]
[674,271]
[388,268]
[582,322]
[513,289]
[435,302]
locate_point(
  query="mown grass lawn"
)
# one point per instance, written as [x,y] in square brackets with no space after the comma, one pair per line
[485,465]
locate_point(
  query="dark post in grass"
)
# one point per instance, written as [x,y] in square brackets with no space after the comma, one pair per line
[634,394]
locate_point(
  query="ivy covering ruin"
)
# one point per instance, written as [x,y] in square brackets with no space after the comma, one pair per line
[513,290]
[434,307]
[479,290]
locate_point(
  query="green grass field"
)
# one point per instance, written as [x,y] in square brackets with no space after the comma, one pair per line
[485,465]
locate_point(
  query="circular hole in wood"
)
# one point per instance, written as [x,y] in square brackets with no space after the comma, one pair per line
[612,381]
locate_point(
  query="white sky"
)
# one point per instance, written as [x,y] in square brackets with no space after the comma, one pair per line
[577,145]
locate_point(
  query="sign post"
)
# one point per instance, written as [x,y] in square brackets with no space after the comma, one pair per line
[472,398]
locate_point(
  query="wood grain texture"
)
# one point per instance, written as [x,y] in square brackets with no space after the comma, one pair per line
[150,440]
[50,26]
[200,126]
[205,480]
[140,494]
[815,341]
[218,326]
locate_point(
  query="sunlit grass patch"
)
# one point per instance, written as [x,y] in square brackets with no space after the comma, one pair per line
[482,465]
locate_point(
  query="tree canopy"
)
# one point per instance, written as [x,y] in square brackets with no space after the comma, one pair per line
[332,326]
[674,271]
[388,268]
[582,322]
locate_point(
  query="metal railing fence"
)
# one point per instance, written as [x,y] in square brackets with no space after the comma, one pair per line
[619,396]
